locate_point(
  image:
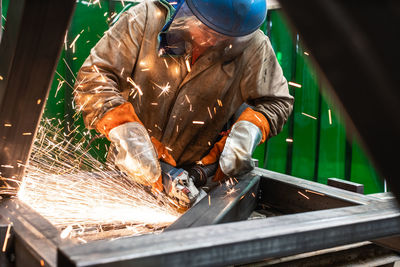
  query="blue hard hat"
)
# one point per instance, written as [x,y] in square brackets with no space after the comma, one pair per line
[230,17]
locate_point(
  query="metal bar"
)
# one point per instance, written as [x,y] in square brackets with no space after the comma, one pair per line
[346,185]
[221,206]
[343,197]
[359,57]
[29,52]
[360,254]
[35,238]
[241,242]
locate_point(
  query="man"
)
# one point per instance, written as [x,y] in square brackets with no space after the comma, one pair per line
[162,83]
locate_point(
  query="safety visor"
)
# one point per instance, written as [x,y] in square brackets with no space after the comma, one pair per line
[185,25]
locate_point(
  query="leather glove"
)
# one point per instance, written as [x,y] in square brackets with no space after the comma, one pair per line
[136,154]
[235,150]
[122,126]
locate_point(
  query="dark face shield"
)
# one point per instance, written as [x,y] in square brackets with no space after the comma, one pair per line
[186,29]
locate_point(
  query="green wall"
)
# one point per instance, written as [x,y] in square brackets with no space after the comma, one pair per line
[313,143]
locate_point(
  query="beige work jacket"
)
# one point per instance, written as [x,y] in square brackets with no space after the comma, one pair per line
[184,106]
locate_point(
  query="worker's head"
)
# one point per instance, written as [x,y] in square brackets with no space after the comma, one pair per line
[232,18]
[210,23]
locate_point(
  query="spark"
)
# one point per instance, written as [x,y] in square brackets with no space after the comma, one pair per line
[209,200]
[317,193]
[122,71]
[39,101]
[295,84]
[187,98]
[255,115]
[96,69]
[83,197]
[166,64]
[289,140]
[7,125]
[74,41]
[198,122]
[123,3]
[231,191]
[307,54]
[26,133]
[305,114]
[303,195]
[209,112]
[6,238]
[42,263]
[66,64]
[66,41]
[60,84]
[1,78]
[129,79]
[66,232]
[219,102]
[188,65]
[97,2]
[330,116]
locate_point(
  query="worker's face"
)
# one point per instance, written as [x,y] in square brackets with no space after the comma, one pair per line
[201,35]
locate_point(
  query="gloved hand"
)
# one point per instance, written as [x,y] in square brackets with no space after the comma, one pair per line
[234,151]
[136,155]
[139,155]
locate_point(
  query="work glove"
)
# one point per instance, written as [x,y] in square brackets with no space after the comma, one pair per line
[136,155]
[234,150]
[139,155]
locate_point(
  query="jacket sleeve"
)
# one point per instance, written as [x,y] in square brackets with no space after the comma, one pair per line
[103,76]
[264,87]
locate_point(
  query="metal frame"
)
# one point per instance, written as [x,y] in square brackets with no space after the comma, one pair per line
[328,217]
[33,240]
[29,52]
[360,218]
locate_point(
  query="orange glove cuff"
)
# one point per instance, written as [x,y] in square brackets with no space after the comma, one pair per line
[116,117]
[257,119]
[157,187]
[215,152]
[162,152]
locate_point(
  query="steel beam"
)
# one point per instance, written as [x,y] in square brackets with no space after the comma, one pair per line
[221,206]
[356,46]
[266,187]
[29,53]
[241,242]
[301,195]
[35,240]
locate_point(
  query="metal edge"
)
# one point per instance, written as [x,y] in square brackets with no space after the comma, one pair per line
[34,235]
[241,242]
[221,206]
